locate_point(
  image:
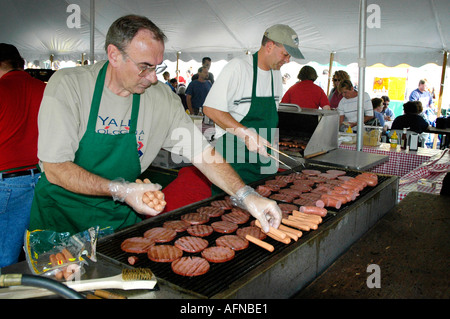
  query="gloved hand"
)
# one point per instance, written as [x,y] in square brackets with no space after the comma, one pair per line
[263,209]
[253,141]
[135,195]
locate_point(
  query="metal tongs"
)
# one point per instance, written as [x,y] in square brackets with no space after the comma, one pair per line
[297,162]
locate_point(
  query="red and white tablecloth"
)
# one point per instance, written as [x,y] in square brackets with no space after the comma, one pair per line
[432,172]
[400,162]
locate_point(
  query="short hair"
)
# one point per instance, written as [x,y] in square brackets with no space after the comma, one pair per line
[206,58]
[174,80]
[422,81]
[124,29]
[341,75]
[200,69]
[412,107]
[385,98]
[376,102]
[10,56]
[346,84]
[307,73]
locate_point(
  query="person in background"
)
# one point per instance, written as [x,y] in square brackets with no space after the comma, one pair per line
[377,105]
[174,83]
[335,96]
[197,91]
[206,63]
[90,165]
[428,113]
[386,111]
[20,99]
[305,93]
[411,118]
[348,106]
[166,76]
[182,94]
[243,103]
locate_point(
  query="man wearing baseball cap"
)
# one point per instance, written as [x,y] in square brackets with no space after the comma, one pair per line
[243,104]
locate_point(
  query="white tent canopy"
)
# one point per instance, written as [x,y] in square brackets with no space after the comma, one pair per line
[414,32]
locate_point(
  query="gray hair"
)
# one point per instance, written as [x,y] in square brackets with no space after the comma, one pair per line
[124,29]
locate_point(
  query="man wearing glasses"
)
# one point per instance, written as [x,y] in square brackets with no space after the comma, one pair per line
[101,126]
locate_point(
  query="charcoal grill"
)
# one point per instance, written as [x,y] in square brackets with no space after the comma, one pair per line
[222,277]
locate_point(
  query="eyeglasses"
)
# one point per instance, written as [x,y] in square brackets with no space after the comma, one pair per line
[146,69]
[336,80]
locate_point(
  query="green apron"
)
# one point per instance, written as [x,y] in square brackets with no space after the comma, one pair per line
[263,117]
[110,156]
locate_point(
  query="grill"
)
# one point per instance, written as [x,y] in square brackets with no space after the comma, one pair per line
[221,275]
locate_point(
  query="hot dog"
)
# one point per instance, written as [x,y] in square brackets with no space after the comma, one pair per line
[285,240]
[260,243]
[303,221]
[272,230]
[313,210]
[54,262]
[296,224]
[290,230]
[154,199]
[314,218]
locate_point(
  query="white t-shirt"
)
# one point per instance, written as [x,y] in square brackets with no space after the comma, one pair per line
[64,114]
[232,90]
[349,108]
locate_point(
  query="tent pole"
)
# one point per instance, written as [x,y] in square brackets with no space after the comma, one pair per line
[92,18]
[441,91]
[361,75]
[178,71]
[329,71]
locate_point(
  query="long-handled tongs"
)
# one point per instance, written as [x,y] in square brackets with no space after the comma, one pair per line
[285,155]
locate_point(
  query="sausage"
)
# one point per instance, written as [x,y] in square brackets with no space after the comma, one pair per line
[314,210]
[315,218]
[54,262]
[290,230]
[67,254]
[329,201]
[260,243]
[368,178]
[343,198]
[272,230]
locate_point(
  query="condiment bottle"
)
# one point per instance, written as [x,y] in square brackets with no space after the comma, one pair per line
[404,141]
[394,140]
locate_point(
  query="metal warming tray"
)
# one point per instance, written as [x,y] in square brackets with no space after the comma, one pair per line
[313,135]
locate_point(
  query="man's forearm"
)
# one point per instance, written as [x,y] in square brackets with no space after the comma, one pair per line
[223,119]
[76,179]
[220,173]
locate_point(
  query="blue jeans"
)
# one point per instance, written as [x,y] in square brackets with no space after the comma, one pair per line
[16,196]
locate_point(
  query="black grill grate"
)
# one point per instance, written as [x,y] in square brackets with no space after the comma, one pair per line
[220,275]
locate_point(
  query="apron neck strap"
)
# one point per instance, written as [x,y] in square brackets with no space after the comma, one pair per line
[96,99]
[255,74]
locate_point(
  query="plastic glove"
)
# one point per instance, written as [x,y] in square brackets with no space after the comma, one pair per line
[133,194]
[253,141]
[263,209]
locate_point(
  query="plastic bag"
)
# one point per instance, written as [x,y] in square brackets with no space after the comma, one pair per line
[61,256]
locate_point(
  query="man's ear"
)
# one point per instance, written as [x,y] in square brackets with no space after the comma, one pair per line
[115,56]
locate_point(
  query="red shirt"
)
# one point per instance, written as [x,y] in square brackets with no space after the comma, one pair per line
[20,99]
[306,94]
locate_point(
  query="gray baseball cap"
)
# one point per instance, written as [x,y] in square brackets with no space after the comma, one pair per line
[285,35]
